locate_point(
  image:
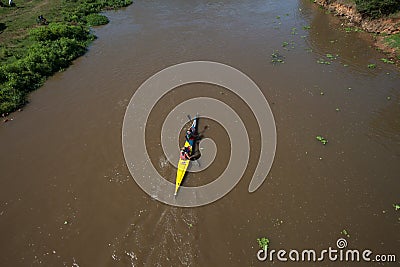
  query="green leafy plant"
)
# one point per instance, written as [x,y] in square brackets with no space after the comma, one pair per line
[321,139]
[323,61]
[96,19]
[306,27]
[396,206]
[388,61]
[330,56]
[277,57]
[263,242]
[345,233]
[371,66]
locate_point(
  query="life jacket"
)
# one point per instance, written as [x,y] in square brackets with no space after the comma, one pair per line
[184,151]
[190,134]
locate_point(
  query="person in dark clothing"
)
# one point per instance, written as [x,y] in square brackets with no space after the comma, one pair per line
[41,20]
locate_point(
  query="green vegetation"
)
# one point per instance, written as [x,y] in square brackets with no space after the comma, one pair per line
[321,139]
[388,61]
[323,61]
[96,20]
[345,233]
[352,29]
[263,242]
[53,48]
[393,40]
[377,8]
[371,66]
[29,52]
[330,56]
[277,58]
[396,206]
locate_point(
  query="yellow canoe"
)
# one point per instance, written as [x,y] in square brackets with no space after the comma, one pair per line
[183,164]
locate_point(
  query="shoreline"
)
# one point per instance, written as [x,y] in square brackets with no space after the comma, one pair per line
[39,43]
[381,28]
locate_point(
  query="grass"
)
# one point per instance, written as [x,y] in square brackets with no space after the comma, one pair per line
[393,40]
[29,52]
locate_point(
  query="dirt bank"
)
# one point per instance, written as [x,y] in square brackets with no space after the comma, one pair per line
[382,26]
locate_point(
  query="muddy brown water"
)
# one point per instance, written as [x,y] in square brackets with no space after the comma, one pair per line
[67,197]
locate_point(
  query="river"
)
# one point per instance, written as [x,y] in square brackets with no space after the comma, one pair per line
[67,197]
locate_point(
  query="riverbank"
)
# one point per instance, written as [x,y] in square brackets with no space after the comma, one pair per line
[386,29]
[39,38]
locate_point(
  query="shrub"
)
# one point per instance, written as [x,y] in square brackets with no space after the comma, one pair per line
[96,20]
[56,31]
[377,8]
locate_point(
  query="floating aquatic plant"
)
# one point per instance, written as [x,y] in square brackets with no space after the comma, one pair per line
[284,44]
[344,232]
[277,58]
[323,61]
[372,66]
[263,242]
[306,27]
[388,61]
[321,139]
[330,56]
[396,206]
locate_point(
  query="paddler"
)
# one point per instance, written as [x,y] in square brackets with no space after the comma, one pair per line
[185,153]
[191,134]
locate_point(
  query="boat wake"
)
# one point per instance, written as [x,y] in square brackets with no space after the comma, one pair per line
[165,237]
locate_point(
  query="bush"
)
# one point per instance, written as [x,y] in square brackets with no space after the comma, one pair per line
[56,31]
[377,8]
[10,100]
[87,7]
[96,20]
